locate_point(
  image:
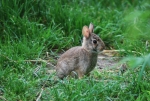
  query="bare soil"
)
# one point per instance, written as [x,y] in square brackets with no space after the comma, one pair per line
[104,61]
[107,61]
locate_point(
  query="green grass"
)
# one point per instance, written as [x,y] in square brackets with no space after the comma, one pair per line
[31,28]
[106,86]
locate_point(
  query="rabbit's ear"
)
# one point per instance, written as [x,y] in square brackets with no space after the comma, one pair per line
[86,32]
[91,27]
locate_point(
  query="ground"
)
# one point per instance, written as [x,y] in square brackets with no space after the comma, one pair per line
[105,61]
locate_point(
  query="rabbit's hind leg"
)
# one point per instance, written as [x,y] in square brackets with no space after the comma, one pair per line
[80,73]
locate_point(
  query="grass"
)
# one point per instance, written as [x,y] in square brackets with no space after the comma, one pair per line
[31,28]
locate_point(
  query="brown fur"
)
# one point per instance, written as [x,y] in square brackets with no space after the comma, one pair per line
[81,59]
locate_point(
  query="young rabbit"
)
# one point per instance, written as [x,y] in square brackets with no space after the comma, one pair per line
[81,59]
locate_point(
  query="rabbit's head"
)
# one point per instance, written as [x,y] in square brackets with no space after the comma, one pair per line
[91,41]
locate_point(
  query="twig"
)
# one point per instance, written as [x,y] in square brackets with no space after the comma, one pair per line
[40,60]
[113,52]
[2,98]
[51,64]
[33,61]
[8,58]
[36,70]
[40,94]
[42,89]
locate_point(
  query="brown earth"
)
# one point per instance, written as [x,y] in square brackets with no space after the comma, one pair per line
[106,60]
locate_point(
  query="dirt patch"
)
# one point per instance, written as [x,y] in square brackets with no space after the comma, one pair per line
[107,61]
[104,61]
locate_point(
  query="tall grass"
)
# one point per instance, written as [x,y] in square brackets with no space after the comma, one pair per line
[30,28]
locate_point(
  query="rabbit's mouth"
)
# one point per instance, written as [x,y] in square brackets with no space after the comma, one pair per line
[95,50]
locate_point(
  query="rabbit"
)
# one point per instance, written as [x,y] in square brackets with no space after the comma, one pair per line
[81,59]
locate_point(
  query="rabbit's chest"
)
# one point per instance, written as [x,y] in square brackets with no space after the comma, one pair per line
[91,63]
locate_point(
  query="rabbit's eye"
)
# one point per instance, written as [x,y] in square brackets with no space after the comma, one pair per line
[94,41]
